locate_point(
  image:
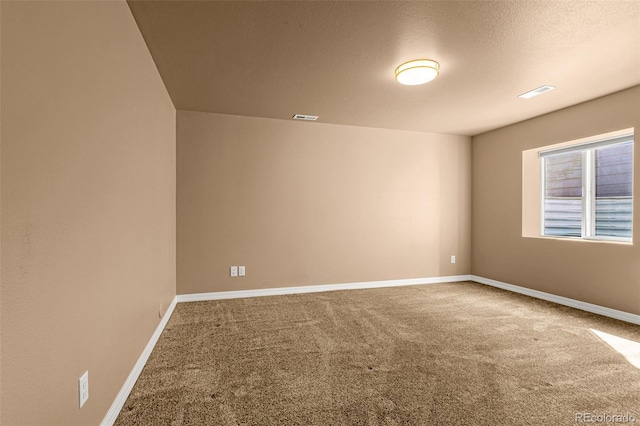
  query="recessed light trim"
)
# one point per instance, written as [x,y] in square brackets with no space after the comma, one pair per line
[305,117]
[535,92]
[418,71]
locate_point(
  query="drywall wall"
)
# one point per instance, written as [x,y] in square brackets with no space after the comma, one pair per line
[88,206]
[605,274]
[304,203]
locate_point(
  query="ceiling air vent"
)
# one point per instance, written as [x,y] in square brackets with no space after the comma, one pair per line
[305,117]
[536,92]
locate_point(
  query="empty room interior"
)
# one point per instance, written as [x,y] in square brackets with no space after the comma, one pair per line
[319,212]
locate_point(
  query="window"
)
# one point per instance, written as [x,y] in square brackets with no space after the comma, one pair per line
[587,190]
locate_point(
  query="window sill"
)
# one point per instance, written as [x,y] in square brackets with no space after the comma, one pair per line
[582,240]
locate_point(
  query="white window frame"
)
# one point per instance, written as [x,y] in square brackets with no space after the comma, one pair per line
[588,221]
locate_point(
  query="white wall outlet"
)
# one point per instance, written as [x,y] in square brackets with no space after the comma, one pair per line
[234,271]
[83,388]
[241,271]
[453,259]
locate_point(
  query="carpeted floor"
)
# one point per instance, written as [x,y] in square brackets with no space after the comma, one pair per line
[442,354]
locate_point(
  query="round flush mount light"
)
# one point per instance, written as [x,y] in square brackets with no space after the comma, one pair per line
[419,71]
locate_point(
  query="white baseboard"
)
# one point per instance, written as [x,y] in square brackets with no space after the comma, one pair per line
[122,396]
[317,288]
[577,304]
[572,303]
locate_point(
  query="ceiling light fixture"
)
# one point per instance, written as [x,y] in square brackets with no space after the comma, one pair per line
[418,71]
[535,92]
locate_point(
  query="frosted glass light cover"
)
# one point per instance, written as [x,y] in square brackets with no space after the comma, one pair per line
[417,72]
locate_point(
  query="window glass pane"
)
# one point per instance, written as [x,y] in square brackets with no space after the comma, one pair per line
[563,195]
[614,190]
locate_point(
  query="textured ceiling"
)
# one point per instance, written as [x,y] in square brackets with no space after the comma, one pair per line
[336,59]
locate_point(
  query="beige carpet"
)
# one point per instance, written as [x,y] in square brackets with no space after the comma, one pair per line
[442,354]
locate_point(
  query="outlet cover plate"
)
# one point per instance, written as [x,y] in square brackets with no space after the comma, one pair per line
[83,388]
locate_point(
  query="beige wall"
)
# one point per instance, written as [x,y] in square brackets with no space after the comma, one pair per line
[88,206]
[601,273]
[302,203]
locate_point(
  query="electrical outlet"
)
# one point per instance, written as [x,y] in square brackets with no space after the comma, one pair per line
[83,388]
[241,271]
[234,271]
[453,259]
